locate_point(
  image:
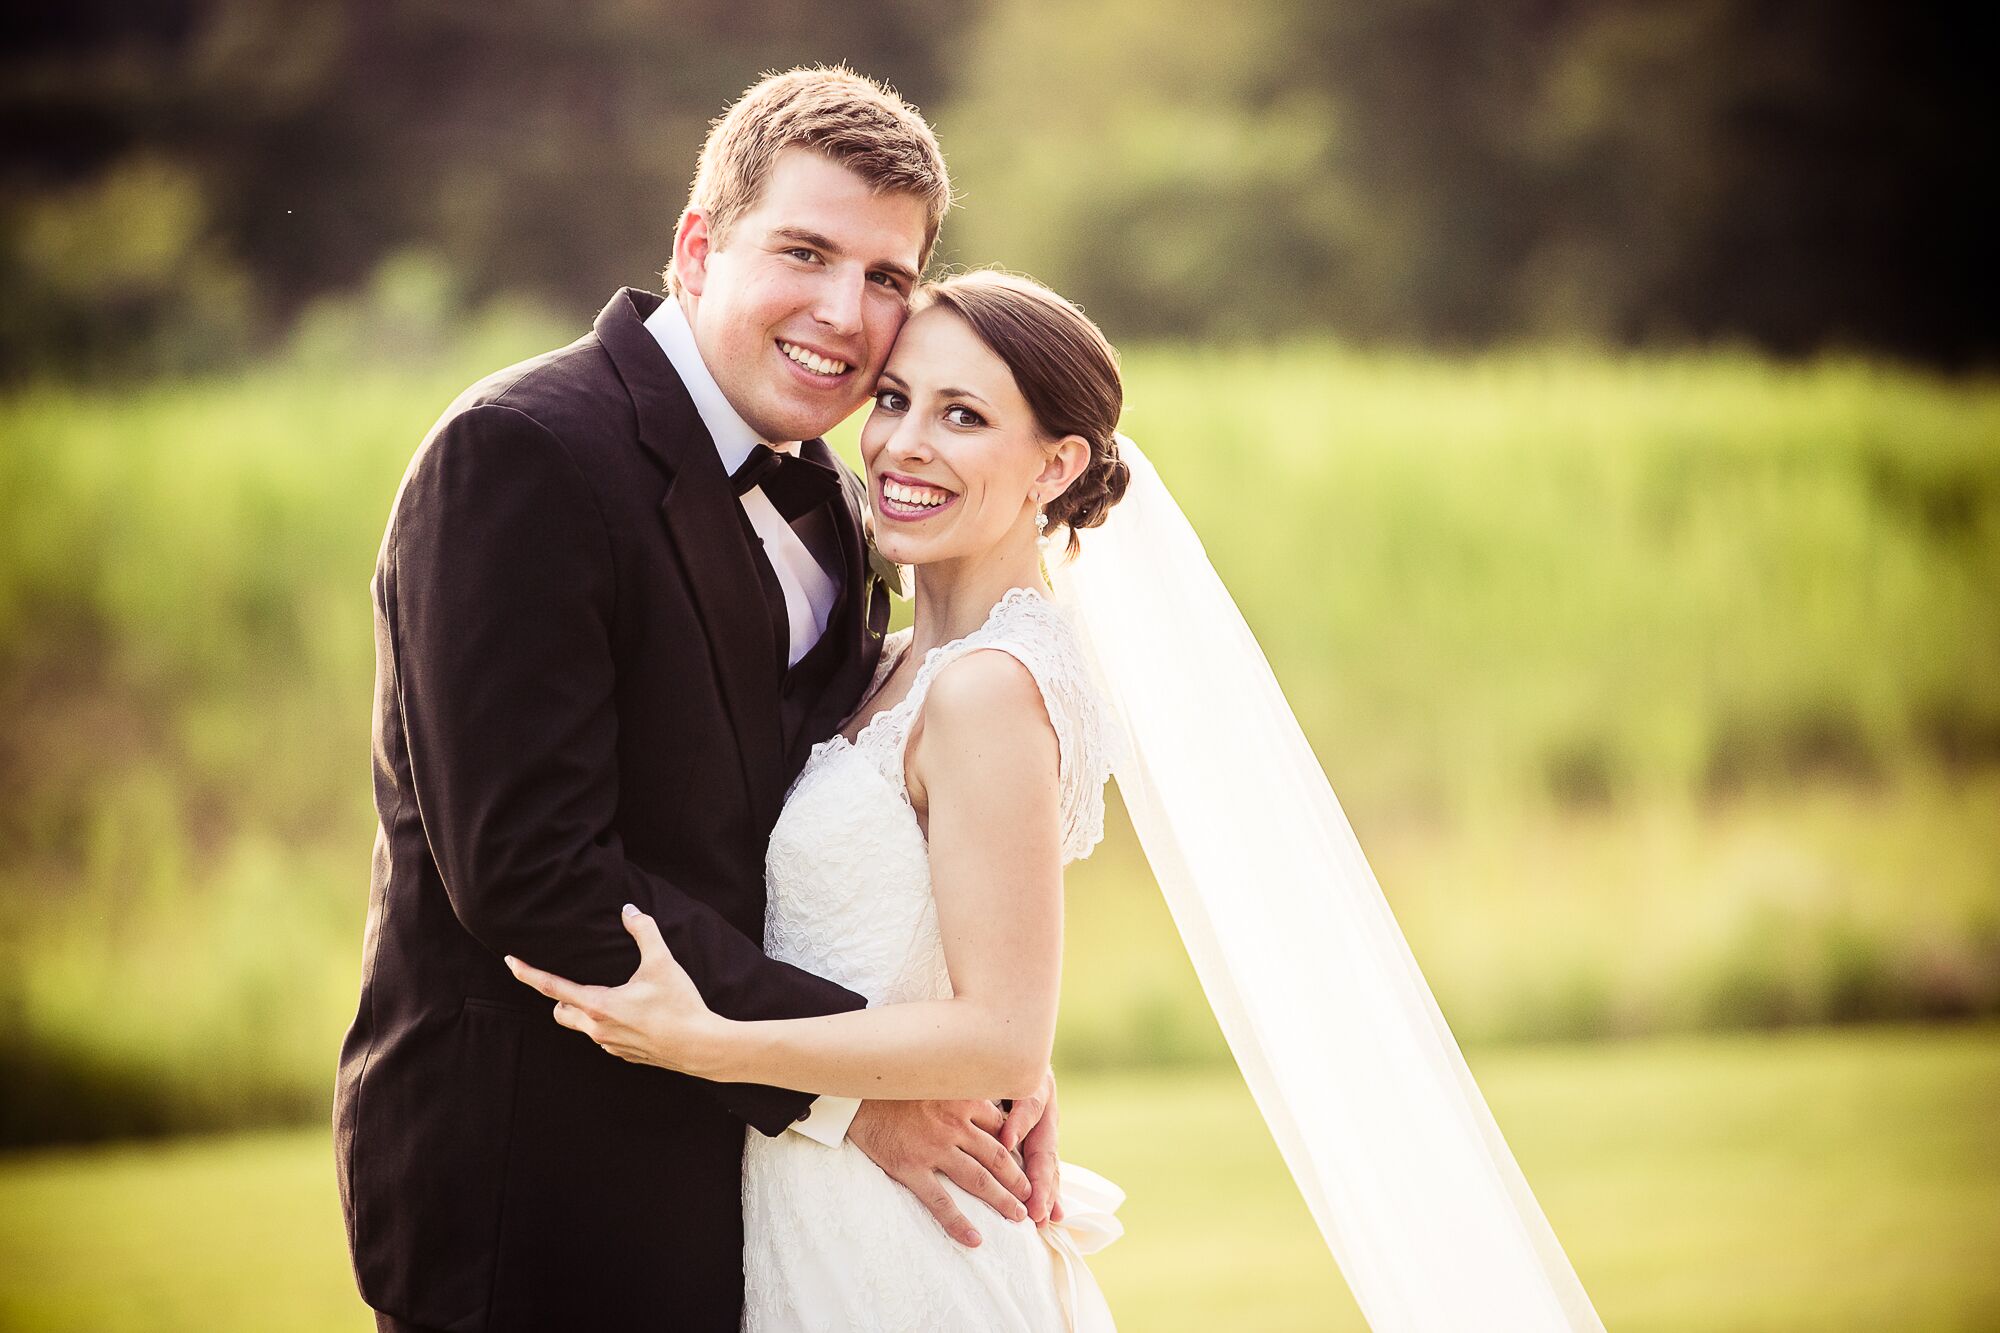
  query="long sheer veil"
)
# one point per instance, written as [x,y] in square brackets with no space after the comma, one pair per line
[1330,1021]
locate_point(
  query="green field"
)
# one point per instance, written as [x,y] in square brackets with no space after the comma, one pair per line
[1663,692]
[1824,1181]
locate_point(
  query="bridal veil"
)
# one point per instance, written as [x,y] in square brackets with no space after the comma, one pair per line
[1315,989]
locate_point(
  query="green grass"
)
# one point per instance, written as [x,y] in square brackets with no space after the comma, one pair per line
[1807,1181]
[1664,693]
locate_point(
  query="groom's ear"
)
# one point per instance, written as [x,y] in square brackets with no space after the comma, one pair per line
[691,249]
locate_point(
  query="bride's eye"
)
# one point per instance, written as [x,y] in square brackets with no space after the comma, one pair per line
[890,401]
[960,415]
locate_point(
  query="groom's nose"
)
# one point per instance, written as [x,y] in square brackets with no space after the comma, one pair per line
[838,300]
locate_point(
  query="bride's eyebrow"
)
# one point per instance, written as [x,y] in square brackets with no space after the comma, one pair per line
[886,378]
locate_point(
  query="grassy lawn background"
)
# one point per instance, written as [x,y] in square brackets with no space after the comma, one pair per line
[1827,1180]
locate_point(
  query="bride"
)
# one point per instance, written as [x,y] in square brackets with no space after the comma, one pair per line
[918,860]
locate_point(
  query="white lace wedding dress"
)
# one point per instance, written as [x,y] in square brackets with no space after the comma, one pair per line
[830,1241]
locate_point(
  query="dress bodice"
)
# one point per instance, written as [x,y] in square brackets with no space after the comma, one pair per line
[847,877]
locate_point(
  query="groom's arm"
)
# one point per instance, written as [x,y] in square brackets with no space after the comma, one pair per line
[499,588]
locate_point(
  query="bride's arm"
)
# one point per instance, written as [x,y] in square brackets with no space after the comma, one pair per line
[985,762]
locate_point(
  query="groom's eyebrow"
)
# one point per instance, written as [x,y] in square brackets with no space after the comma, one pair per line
[820,241]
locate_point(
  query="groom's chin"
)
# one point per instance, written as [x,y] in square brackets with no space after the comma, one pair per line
[810,423]
[814,428]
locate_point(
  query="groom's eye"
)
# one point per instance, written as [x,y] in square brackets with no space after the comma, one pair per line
[802,254]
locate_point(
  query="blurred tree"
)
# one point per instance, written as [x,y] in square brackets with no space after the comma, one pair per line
[1796,173]
[1133,157]
[543,149]
[1786,172]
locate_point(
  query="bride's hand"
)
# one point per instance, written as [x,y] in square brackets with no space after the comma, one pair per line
[656,1018]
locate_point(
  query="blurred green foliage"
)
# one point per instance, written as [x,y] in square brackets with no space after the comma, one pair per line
[1663,691]
[1444,172]
[121,273]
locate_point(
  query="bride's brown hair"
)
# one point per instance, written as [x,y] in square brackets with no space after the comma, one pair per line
[1065,368]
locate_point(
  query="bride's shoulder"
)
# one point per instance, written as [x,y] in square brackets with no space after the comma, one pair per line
[1040,635]
[1008,673]
[987,687]
[1043,671]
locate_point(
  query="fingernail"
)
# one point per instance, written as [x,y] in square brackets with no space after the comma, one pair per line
[631,910]
[511,961]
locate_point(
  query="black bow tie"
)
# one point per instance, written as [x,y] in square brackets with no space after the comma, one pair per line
[794,486]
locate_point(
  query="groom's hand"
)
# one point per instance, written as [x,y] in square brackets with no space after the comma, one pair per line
[916,1141]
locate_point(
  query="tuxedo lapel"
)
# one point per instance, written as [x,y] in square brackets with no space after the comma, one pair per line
[703,519]
[846,516]
[860,618]
[866,615]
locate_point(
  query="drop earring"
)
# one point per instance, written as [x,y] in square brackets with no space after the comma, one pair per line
[1042,544]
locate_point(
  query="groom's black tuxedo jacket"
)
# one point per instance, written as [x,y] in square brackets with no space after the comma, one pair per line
[581,701]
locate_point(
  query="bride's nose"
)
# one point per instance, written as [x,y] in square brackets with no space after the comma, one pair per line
[912,440]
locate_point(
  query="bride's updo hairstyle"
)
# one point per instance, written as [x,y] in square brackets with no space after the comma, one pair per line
[1064,367]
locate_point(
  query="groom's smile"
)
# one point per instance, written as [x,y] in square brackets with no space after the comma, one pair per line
[824,367]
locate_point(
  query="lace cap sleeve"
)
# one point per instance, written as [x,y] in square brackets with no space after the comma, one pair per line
[1032,629]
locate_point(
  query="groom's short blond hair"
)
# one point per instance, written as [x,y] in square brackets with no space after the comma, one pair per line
[847,117]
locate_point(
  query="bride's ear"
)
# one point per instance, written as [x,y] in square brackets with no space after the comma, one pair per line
[1067,459]
[691,247]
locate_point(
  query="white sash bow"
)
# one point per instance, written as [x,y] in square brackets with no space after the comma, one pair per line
[1089,1205]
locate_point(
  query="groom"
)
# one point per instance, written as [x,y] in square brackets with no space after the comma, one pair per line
[614,607]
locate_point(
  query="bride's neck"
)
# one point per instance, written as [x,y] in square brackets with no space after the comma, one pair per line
[954,597]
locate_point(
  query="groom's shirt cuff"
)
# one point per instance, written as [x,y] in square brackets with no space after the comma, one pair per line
[826,1121]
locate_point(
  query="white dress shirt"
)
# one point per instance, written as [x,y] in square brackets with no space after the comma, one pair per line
[810,591]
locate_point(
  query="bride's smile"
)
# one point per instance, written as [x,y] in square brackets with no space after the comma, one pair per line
[908,500]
